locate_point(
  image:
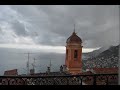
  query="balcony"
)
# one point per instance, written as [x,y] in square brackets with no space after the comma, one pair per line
[96,79]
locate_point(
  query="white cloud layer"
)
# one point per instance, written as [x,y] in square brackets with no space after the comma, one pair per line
[41,48]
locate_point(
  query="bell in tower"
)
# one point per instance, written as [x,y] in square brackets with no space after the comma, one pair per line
[73,59]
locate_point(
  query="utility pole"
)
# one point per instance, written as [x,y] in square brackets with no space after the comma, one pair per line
[28,67]
[24,69]
[33,64]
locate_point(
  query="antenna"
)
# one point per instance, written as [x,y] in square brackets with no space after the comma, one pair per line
[28,67]
[24,69]
[74,27]
[33,64]
[50,64]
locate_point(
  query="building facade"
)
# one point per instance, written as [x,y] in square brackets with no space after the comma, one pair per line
[73,59]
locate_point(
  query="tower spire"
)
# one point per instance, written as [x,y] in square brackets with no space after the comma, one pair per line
[74,28]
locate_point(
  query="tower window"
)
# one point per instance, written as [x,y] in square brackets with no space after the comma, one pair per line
[75,54]
[67,54]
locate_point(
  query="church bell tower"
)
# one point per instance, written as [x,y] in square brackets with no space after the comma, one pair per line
[73,59]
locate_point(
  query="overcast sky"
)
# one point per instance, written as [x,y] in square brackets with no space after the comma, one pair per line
[50,25]
[45,29]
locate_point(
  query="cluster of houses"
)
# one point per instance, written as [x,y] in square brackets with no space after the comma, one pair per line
[102,62]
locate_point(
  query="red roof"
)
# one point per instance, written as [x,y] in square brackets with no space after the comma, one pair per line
[105,70]
[11,72]
[86,73]
[74,39]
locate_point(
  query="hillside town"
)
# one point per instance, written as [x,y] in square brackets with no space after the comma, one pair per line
[104,60]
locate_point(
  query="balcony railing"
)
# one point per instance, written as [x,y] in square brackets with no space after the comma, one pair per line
[96,79]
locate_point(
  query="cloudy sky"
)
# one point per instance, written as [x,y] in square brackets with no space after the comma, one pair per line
[46,27]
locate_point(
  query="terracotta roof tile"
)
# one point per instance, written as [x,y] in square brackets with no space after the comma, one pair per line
[11,72]
[105,70]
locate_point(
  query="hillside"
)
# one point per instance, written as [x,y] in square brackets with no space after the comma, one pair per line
[86,56]
[107,58]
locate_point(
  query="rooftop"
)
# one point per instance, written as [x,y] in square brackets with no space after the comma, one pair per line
[74,39]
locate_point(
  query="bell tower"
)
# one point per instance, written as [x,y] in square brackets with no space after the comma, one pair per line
[73,59]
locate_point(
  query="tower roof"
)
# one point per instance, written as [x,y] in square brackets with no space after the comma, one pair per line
[74,38]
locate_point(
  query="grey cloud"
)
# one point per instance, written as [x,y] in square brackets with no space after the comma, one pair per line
[104,38]
[54,23]
[96,17]
[19,28]
[1,30]
[50,39]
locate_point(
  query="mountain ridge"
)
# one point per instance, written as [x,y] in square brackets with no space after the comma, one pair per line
[106,59]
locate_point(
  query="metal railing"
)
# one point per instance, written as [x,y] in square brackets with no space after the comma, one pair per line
[96,79]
